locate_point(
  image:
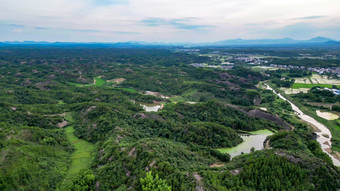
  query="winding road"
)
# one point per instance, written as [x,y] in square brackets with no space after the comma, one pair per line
[324,135]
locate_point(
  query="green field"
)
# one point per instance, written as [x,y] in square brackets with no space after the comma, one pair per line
[193,82]
[79,85]
[81,158]
[302,85]
[61,102]
[189,93]
[127,89]
[99,81]
[177,99]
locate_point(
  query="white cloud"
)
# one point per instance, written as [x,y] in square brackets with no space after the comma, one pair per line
[17,30]
[121,20]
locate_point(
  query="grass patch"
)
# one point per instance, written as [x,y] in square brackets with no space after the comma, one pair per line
[99,81]
[127,89]
[176,99]
[61,102]
[301,85]
[69,117]
[189,93]
[79,85]
[193,82]
[81,158]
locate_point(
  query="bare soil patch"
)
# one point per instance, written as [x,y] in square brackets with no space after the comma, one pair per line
[117,80]
[216,165]
[327,115]
[62,124]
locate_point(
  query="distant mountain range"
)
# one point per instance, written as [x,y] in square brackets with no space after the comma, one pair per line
[317,41]
[272,41]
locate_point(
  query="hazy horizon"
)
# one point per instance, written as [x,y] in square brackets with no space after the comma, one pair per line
[172,42]
[167,21]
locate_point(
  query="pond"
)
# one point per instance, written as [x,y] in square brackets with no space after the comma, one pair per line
[151,107]
[253,139]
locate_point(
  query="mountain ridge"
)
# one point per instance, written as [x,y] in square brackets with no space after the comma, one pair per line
[228,42]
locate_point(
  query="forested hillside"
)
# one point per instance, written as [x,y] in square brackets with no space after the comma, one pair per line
[75,119]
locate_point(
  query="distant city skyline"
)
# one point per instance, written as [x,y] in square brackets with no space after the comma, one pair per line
[167,20]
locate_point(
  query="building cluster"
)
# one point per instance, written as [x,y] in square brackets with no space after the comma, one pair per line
[227,67]
[287,66]
[222,66]
[199,65]
[324,57]
[250,60]
[227,63]
[334,70]
[335,91]
[190,50]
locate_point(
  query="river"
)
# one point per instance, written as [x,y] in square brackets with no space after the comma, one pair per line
[324,135]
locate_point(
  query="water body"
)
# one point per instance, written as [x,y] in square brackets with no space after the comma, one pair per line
[254,139]
[151,107]
[324,141]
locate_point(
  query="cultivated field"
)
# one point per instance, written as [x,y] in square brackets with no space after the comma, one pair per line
[302,80]
[315,80]
[295,90]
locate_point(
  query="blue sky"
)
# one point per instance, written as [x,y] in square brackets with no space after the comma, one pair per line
[167,20]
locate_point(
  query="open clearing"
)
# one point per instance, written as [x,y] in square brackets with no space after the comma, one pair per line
[295,91]
[263,68]
[176,99]
[117,80]
[157,94]
[97,81]
[263,108]
[302,80]
[327,115]
[81,158]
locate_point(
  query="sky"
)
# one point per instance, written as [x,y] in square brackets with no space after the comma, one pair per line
[167,20]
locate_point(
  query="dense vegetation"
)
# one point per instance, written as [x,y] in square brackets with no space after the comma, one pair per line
[32,158]
[46,92]
[285,78]
[317,94]
[308,62]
